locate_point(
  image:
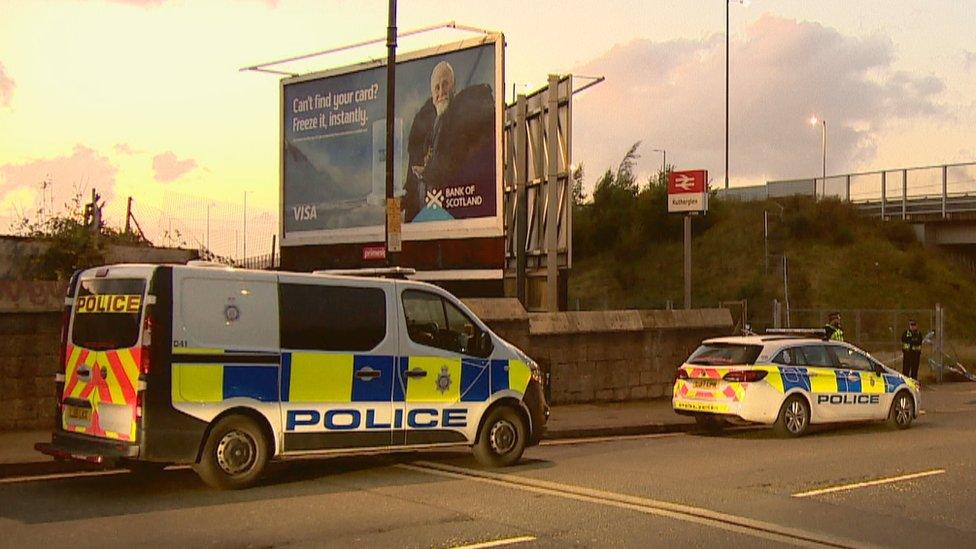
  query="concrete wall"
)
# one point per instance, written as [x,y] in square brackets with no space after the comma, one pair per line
[16,254]
[600,356]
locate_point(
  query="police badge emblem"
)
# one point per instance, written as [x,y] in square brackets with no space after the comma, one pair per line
[444,380]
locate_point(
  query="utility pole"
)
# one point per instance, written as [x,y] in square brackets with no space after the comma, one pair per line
[393,221]
[727,94]
[244,255]
[687,261]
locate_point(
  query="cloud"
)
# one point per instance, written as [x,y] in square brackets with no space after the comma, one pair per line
[61,177]
[126,149]
[671,95]
[7,85]
[167,167]
[968,60]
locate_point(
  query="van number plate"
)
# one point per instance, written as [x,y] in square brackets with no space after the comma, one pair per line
[78,414]
[704,383]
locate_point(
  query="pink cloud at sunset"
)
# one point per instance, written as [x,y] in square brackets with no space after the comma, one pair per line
[6,87]
[66,176]
[167,167]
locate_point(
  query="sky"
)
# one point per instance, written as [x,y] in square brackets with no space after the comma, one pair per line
[145,98]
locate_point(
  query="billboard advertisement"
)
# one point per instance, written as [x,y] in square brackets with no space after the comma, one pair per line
[447,132]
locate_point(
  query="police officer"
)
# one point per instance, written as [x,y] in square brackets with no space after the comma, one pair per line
[833,331]
[911,349]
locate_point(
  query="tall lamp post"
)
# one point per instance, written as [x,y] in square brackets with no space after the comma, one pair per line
[823,125]
[664,163]
[727,93]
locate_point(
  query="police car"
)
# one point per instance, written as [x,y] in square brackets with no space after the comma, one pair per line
[790,382]
[225,369]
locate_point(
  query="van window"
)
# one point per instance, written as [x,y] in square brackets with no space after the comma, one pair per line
[332,318]
[107,312]
[436,322]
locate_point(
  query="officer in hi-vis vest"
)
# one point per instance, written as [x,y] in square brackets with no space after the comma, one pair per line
[833,331]
[911,349]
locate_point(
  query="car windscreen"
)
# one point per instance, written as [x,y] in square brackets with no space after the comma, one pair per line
[107,312]
[717,354]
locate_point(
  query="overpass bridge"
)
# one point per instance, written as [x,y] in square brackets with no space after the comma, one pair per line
[939,201]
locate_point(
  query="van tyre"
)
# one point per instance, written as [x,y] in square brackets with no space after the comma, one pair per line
[502,438]
[902,411]
[234,455]
[794,417]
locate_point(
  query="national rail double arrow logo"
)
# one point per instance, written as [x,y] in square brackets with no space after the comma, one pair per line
[684,182]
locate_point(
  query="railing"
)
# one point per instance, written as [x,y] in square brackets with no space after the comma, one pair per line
[937,191]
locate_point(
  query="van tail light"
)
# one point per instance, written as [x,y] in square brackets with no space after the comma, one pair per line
[745,376]
[682,373]
[145,355]
[139,404]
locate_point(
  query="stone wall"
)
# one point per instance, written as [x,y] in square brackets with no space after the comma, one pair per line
[29,349]
[17,253]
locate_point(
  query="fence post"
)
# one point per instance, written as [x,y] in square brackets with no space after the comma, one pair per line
[884,192]
[857,327]
[940,338]
[848,187]
[945,189]
[904,194]
[777,322]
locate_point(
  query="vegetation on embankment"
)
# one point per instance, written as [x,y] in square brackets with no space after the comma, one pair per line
[628,253]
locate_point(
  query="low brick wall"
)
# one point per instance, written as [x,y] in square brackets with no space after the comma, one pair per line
[29,345]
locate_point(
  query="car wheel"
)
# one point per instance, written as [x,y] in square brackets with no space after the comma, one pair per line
[502,438]
[710,424]
[794,417]
[234,455]
[902,411]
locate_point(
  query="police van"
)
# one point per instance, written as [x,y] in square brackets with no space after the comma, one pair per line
[226,369]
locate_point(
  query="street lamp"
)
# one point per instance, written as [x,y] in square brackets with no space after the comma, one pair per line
[823,123]
[664,163]
[745,3]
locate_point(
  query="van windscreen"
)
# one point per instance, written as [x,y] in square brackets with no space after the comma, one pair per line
[107,312]
[715,354]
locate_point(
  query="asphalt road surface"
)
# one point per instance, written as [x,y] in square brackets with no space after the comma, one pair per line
[850,486]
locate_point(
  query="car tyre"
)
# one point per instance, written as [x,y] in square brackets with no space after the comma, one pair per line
[502,438]
[902,411]
[794,417]
[710,424]
[234,455]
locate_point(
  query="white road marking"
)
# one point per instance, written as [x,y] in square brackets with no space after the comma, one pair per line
[78,474]
[865,484]
[59,476]
[562,441]
[496,543]
[686,513]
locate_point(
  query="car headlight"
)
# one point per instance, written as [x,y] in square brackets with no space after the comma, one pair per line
[534,371]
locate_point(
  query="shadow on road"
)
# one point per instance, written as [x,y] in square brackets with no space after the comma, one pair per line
[123,494]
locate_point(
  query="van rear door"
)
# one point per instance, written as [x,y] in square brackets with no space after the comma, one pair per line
[102,357]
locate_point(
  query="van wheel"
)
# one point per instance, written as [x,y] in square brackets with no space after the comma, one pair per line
[902,411]
[234,455]
[501,439]
[794,417]
[710,424]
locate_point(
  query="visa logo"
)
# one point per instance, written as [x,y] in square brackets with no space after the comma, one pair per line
[305,212]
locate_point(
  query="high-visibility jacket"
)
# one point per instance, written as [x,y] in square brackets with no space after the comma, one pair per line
[834,333]
[911,340]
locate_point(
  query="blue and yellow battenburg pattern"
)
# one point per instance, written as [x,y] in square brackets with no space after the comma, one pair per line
[331,377]
[786,378]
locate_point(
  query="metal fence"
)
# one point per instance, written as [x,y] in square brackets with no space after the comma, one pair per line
[933,191]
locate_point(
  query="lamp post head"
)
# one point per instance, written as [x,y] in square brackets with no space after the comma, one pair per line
[813,120]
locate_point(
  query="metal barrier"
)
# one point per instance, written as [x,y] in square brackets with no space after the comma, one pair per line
[930,191]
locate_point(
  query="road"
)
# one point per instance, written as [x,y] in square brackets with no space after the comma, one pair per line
[739,489]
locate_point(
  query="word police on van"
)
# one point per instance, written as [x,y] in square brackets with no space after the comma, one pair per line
[225,369]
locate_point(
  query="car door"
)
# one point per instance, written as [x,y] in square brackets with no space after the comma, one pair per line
[821,371]
[445,379]
[862,386]
[339,347]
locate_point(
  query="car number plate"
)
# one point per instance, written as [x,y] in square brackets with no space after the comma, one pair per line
[78,414]
[704,383]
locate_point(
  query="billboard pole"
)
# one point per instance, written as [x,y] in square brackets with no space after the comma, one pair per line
[392,236]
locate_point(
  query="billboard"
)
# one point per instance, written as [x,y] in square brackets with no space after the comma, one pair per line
[447,133]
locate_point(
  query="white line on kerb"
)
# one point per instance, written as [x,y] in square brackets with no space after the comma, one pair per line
[591,440]
[57,476]
[496,543]
[865,484]
[686,513]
